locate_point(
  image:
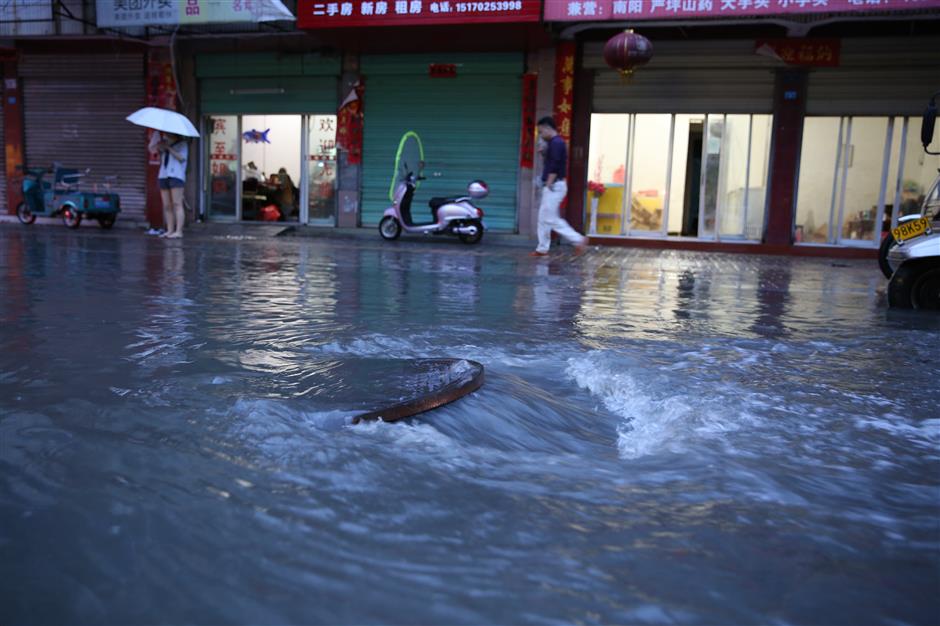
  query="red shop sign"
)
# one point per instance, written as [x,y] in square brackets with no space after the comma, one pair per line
[797,51]
[326,14]
[618,10]
[442,70]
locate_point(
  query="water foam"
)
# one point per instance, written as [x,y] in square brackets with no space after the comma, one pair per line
[652,422]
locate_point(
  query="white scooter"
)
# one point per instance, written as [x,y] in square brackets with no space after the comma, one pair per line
[455,215]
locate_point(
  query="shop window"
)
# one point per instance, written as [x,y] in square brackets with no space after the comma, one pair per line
[607,165]
[272,167]
[689,175]
[649,172]
[917,171]
[854,171]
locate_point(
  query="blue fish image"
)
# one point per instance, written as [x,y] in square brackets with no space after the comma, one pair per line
[256,136]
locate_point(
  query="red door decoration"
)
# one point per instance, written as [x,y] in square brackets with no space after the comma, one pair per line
[349,124]
[529,98]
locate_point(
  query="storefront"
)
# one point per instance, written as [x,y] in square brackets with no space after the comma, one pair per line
[270,126]
[469,124]
[74,107]
[453,74]
[861,152]
[683,149]
[734,134]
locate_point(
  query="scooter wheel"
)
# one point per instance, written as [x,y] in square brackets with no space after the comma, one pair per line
[26,216]
[71,218]
[106,221]
[474,238]
[389,228]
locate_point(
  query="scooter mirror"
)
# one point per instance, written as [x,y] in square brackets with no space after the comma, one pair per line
[927,125]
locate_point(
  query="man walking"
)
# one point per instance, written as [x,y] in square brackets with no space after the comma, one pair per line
[554,190]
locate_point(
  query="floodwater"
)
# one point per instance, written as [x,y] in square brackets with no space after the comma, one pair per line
[663,437]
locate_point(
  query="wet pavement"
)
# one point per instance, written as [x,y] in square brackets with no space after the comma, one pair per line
[663,437]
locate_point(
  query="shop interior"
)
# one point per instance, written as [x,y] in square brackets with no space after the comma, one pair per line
[260,167]
[854,171]
[659,162]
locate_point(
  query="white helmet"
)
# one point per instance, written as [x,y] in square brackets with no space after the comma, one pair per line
[478,189]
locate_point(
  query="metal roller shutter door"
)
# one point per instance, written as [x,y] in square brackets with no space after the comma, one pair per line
[74,109]
[469,125]
[686,77]
[877,77]
[3,169]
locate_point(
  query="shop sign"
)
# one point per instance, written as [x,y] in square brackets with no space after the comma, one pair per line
[442,70]
[117,13]
[600,10]
[326,14]
[797,51]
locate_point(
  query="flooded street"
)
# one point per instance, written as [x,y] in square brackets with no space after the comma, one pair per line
[663,437]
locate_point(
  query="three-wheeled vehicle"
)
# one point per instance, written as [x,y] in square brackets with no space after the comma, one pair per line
[62,196]
[914,260]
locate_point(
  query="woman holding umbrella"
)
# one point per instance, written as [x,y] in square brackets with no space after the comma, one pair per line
[173,151]
[174,154]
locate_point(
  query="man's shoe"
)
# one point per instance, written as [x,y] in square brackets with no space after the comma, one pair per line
[580,249]
[537,253]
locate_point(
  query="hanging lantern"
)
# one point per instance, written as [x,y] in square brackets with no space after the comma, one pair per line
[627,51]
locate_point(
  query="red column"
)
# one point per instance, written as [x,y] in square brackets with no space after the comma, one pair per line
[15,149]
[789,108]
[580,140]
[161,92]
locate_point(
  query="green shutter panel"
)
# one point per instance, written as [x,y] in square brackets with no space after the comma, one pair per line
[469,126]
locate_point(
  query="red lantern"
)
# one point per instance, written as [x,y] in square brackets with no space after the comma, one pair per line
[627,51]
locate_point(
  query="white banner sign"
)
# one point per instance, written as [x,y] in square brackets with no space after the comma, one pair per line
[172,12]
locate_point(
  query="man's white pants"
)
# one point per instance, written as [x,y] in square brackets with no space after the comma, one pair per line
[550,219]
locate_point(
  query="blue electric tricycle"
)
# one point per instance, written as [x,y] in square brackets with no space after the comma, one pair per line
[61,196]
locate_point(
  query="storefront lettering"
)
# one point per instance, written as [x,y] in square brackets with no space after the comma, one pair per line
[569,10]
[317,14]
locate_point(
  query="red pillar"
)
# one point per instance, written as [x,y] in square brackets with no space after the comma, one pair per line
[161,92]
[580,140]
[789,109]
[15,148]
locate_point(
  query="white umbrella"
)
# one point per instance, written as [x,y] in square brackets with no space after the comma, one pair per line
[165,120]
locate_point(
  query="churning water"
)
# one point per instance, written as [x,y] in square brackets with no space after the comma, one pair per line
[663,437]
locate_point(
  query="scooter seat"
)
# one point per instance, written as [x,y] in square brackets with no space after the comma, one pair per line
[436,203]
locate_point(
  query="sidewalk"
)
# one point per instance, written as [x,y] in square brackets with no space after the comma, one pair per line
[240,230]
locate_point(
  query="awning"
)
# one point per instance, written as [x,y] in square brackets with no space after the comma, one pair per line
[118,13]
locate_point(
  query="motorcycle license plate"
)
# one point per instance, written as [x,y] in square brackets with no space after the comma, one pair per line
[914,228]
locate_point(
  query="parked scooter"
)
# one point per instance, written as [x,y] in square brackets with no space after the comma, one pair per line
[915,258]
[456,215]
[452,215]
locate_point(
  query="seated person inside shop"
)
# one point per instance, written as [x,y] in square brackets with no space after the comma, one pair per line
[287,196]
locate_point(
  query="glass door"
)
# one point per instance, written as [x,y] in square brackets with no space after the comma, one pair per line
[271,171]
[321,170]
[843,194]
[864,174]
[223,181]
[702,176]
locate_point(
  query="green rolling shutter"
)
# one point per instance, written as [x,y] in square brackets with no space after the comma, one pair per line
[267,83]
[469,126]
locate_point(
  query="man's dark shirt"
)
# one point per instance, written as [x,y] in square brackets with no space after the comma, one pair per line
[556,158]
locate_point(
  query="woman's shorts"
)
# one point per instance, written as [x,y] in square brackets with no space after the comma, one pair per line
[171,183]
